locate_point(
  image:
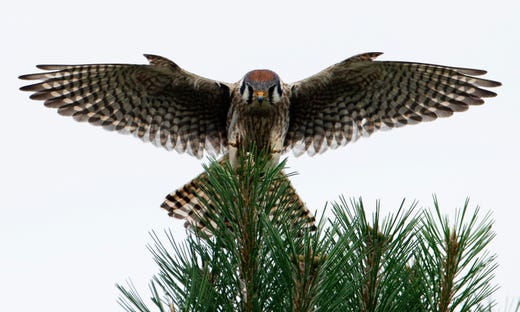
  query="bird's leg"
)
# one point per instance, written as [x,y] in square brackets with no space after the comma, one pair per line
[233,151]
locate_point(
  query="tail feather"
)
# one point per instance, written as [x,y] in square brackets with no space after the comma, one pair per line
[185,203]
[188,203]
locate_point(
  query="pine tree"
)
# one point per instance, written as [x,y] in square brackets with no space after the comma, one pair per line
[411,260]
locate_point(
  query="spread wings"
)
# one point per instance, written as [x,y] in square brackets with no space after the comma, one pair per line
[358,96]
[160,102]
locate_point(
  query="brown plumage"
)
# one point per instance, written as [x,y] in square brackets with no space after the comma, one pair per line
[173,108]
[189,203]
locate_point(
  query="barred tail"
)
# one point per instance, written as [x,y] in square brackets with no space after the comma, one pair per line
[187,203]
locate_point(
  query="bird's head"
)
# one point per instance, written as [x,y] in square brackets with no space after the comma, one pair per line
[261,87]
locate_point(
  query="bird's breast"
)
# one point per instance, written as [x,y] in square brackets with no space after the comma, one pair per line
[264,126]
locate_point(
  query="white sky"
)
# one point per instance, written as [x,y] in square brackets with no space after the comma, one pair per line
[76,201]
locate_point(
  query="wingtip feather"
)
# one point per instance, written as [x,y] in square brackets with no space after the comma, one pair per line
[52,66]
[27,77]
[26,88]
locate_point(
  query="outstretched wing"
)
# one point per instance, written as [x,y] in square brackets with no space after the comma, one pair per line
[160,102]
[358,96]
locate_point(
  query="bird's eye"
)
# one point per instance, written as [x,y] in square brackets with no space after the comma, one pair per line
[243,88]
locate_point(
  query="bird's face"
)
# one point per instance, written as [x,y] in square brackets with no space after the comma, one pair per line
[261,88]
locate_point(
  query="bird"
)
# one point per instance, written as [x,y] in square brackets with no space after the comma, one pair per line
[164,104]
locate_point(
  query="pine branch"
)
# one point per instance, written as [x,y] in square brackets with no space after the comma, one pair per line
[457,269]
[255,256]
[367,265]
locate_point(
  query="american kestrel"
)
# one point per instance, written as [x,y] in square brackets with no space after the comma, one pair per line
[173,108]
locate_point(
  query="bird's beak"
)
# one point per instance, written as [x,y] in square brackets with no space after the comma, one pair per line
[259,95]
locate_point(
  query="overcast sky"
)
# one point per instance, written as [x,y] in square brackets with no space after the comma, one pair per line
[77,201]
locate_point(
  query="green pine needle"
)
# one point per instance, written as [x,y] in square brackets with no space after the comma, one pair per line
[252,259]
